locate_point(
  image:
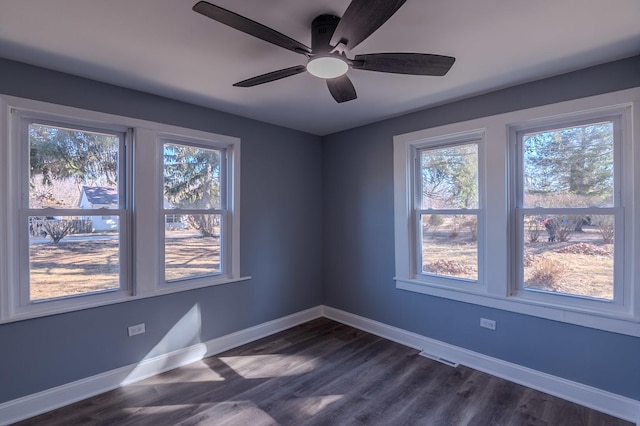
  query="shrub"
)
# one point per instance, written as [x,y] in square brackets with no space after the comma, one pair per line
[57,229]
[448,267]
[206,224]
[472,225]
[605,227]
[566,199]
[534,228]
[546,271]
[455,231]
[435,221]
[566,227]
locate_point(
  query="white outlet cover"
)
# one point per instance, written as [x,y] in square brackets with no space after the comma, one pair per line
[487,323]
[136,329]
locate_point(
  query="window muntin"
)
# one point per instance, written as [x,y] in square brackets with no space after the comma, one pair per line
[194,192]
[567,208]
[73,172]
[447,211]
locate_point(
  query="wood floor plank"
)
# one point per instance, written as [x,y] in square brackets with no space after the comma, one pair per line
[317,351]
[391,396]
[271,394]
[323,373]
[501,398]
[432,404]
[531,408]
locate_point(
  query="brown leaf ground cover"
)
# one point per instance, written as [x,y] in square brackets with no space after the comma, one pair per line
[582,266]
[76,266]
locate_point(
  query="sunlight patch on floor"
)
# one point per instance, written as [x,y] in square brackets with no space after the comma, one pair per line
[198,371]
[310,406]
[267,366]
[233,413]
[163,409]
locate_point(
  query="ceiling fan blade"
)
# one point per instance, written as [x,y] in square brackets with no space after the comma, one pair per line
[271,76]
[361,19]
[405,63]
[250,27]
[341,89]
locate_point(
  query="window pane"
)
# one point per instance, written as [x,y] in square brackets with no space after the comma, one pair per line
[67,259]
[72,168]
[569,254]
[449,177]
[192,177]
[449,245]
[192,245]
[570,167]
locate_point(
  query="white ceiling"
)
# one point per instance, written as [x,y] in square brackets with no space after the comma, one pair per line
[163,47]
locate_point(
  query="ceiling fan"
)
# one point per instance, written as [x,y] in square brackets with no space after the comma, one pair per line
[331,38]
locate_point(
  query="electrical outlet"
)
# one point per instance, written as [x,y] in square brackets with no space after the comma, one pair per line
[136,329]
[487,323]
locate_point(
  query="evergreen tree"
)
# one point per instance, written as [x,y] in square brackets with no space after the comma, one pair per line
[87,157]
[192,181]
[577,161]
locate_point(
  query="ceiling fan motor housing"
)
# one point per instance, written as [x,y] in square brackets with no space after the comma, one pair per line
[322,29]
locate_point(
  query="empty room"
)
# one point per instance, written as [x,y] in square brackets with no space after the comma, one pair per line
[331,212]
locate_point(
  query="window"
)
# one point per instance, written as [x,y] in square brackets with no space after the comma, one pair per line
[195,207]
[72,170]
[567,205]
[82,204]
[447,209]
[553,191]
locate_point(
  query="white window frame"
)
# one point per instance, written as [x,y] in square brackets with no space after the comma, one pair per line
[621,261]
[500,289]
[142,216]
[475,137]
[223,211]
[19,204]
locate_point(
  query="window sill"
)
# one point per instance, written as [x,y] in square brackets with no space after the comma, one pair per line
[194,284]
[617,322]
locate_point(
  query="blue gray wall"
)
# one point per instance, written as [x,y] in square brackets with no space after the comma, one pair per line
[317,227]
[359,244]
[281,246]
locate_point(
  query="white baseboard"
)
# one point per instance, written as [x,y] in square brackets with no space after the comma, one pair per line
[50,399]
[606,402]
[41,402]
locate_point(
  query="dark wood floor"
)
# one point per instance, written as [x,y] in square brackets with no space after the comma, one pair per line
[323,373]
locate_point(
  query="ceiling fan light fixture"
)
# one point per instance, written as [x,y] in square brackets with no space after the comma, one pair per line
[327,66]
